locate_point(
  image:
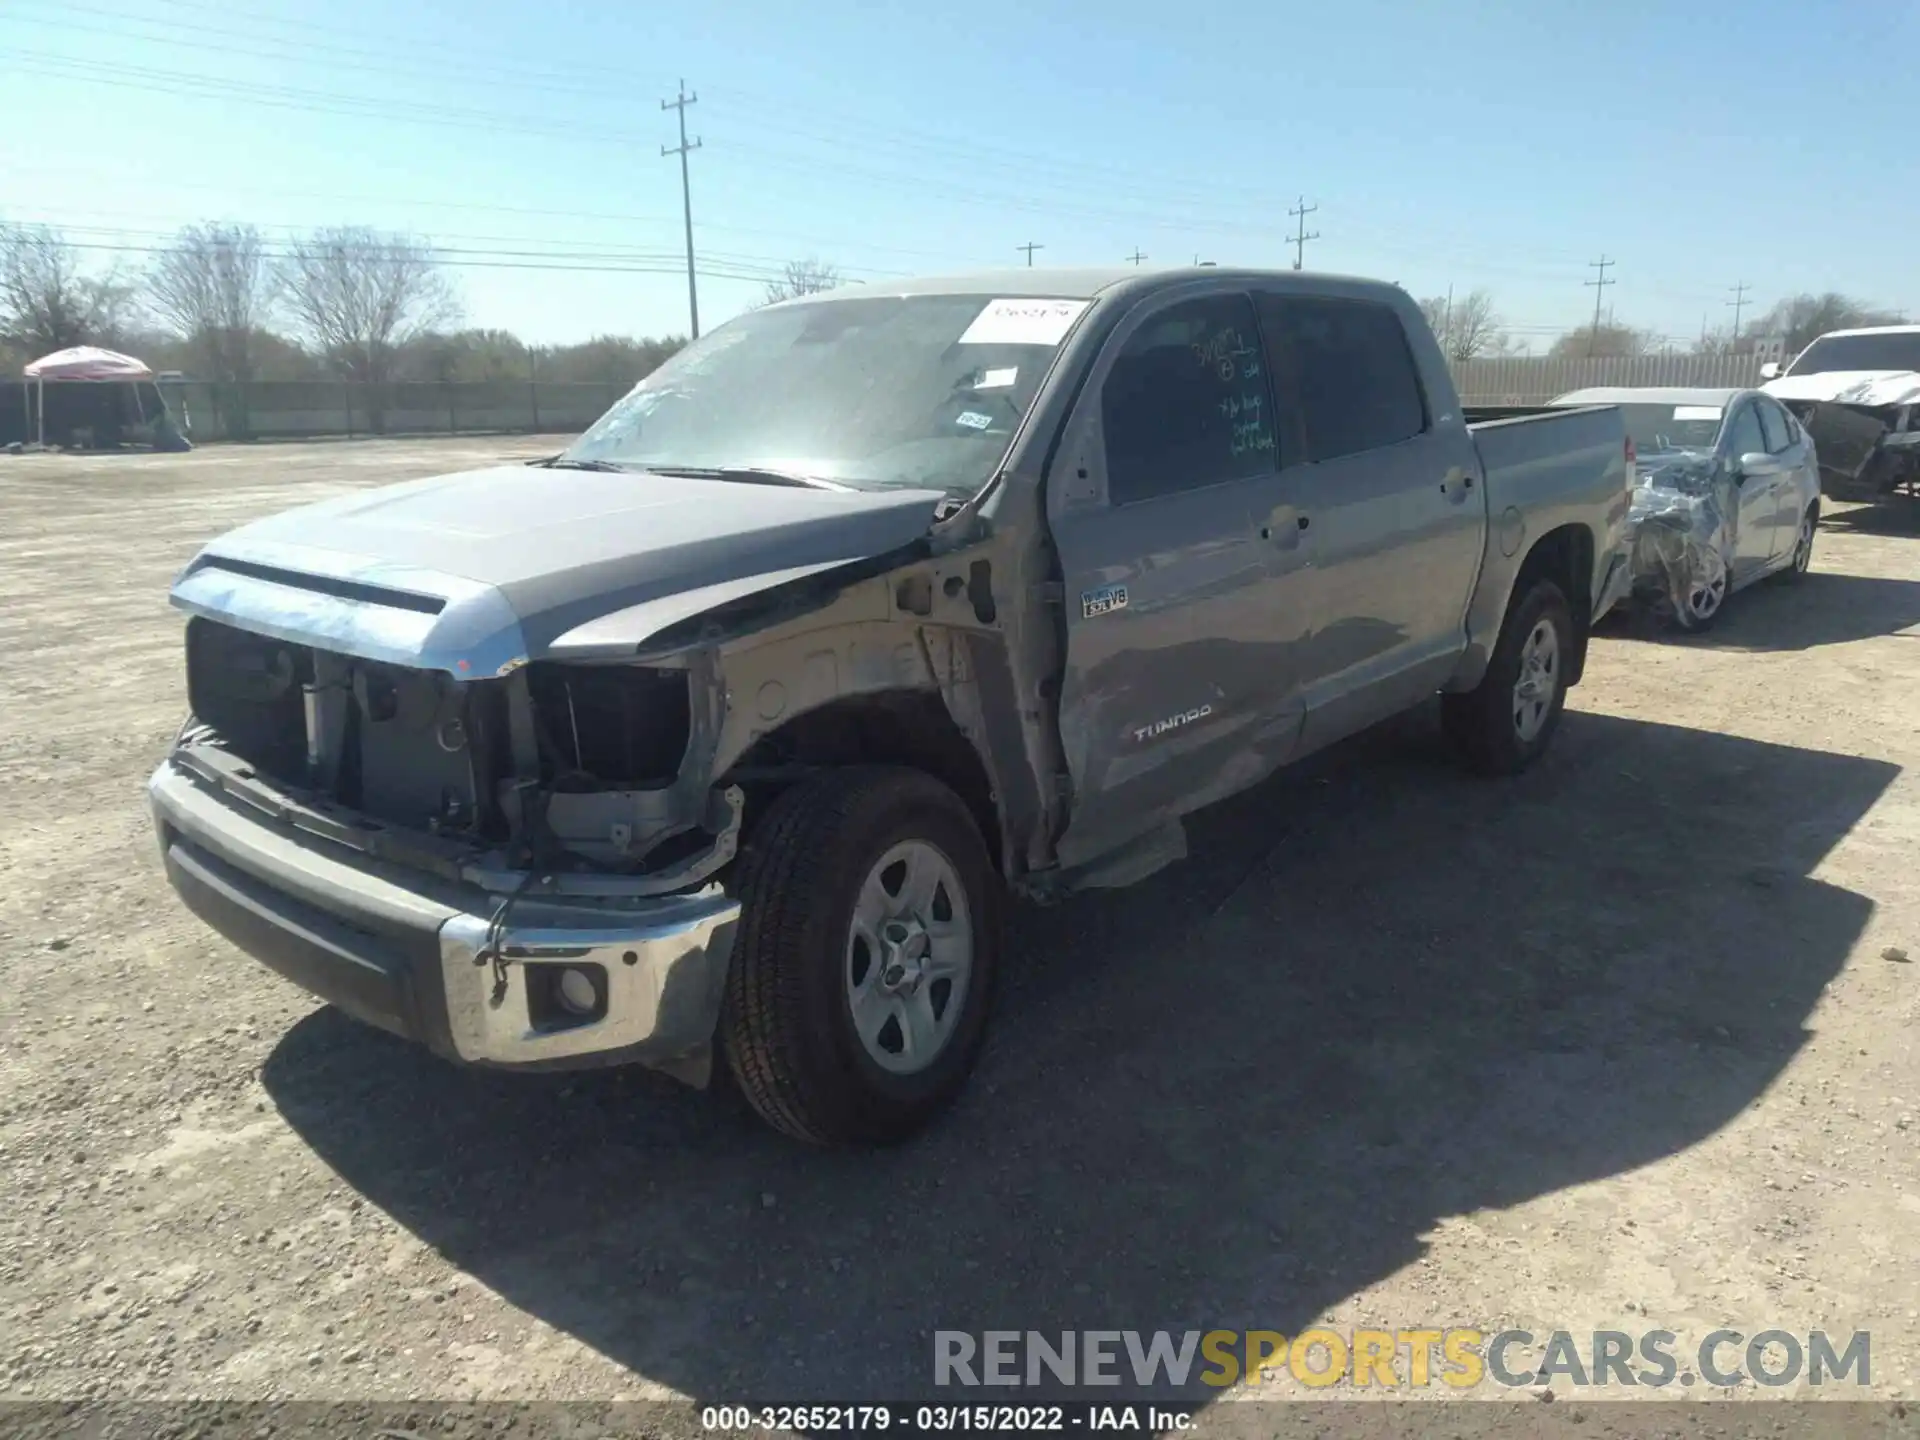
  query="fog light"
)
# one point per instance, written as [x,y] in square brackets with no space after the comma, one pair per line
[578,995]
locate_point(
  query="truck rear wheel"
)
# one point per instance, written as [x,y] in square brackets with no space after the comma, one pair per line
[1505,723]
[863,970]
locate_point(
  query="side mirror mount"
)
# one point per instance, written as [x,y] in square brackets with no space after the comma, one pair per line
[1758,464]
[1770,370]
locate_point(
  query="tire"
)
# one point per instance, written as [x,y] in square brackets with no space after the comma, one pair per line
[1486,723]
[788,1020]
[1796,568]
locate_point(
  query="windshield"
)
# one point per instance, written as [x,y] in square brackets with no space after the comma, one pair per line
[887,391]
[1859,352]
[1662,429]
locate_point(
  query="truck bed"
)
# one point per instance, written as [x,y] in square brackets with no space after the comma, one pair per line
[1481,414]
[1588,441]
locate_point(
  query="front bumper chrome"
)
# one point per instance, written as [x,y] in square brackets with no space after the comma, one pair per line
[408,953]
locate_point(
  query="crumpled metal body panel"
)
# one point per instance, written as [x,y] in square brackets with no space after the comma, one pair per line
[480,572]
[1682,522]
[1873,388]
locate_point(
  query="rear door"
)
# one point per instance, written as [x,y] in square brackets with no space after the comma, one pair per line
[1395,525]
[1759,518]
[1182,634]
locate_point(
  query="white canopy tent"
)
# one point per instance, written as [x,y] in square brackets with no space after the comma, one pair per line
[82,362]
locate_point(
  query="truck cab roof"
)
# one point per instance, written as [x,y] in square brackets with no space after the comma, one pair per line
[1086,283]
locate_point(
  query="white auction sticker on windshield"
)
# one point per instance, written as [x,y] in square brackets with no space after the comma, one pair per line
[998,379]
[1696,412]
[1023,322]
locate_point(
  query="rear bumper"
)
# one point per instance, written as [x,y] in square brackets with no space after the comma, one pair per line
[1616,585]
[407,954]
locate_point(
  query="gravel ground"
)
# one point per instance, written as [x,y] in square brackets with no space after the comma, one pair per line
[1629,1043]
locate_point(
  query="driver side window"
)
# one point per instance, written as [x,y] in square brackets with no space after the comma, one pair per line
[1744,436]
[1186,404]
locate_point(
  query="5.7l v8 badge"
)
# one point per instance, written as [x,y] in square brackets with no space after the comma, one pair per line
[1103,601]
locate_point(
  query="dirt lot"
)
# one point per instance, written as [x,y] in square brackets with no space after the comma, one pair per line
[1629,1043]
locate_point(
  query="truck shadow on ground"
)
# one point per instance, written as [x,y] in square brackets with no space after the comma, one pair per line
[1824,608]
[1378,993]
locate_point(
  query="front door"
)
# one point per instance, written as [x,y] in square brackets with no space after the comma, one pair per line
[1759,496]
[1396,525]
[1183,615]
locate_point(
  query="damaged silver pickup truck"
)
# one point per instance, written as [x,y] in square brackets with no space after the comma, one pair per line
[728,729]
[1858,394]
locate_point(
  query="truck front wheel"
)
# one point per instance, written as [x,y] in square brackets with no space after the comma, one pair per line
[863,970]
[1505,723]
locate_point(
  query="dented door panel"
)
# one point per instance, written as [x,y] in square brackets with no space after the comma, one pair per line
[1182,630]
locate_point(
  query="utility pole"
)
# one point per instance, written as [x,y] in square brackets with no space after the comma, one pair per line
[1446,325]
[1300,235]
[1030,247]
[680,103]
[1739,303]
[1599,287]
[1136,257]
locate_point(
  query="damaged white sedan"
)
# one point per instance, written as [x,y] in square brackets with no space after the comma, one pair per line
[1858,394]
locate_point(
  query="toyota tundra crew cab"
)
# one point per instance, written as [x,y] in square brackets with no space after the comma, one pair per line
[727,732]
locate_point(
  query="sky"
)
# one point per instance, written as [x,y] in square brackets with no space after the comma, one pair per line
[1697,146]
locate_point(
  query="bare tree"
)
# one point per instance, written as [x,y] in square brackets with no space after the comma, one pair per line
[1802,319]
[1467,326]
[1602,341]
[47,302]
[803,277]
[358,295]
[214,288]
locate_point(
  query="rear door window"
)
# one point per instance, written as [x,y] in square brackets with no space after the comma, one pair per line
[1773,424]
[1352,370]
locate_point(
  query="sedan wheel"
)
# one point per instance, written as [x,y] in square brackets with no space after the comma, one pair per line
[1803,546]
[1706,595]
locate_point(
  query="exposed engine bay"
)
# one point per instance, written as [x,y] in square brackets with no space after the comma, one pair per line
[559,766]
[1866,448]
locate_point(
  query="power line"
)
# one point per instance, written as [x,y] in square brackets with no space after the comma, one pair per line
[204,87]
[1030,247]
[680,103]
[624,218]
[1599,287]
[461,261]
[1300,235]
[359,59]
[166,241]
[1738,303]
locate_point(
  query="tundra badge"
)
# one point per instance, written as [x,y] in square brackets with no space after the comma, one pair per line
[1106,599]
[1172,722]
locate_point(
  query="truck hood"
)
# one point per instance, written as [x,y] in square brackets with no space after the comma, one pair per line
[479,572]
[1850,387]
